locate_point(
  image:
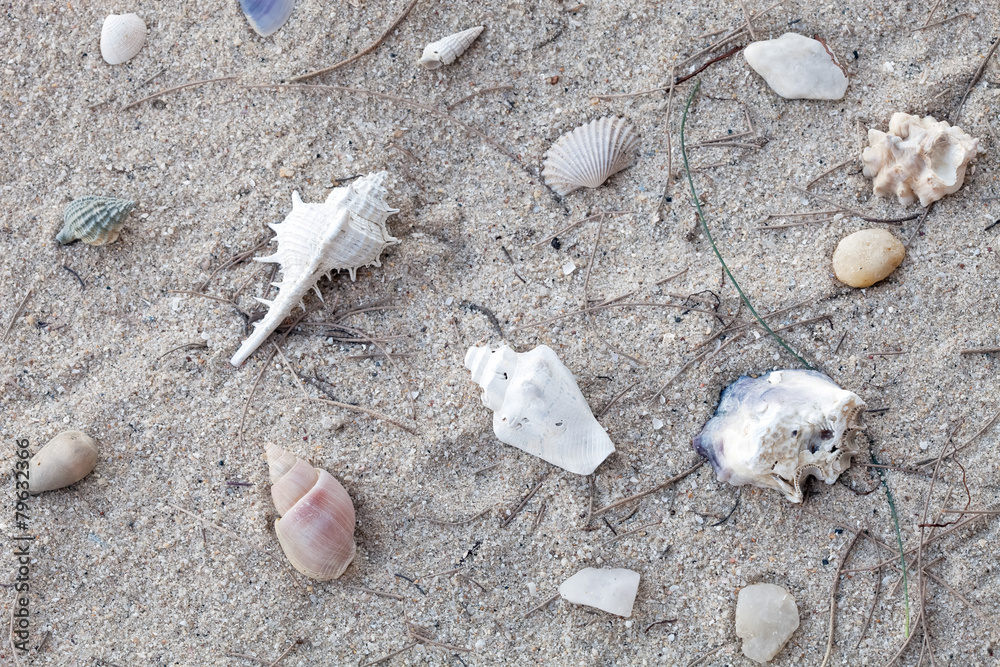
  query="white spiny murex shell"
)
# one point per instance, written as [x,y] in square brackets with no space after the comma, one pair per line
[64,460]
[95,220]
[918,158]
[344,233]
[447,49]
[538,408]
[589,155]
[122,36]
[316,528]
[775,430]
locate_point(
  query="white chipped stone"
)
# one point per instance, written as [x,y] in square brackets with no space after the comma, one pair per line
[766,617]
[612,590]
[797,67]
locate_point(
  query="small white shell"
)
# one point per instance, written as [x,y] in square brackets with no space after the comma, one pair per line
[608,589]
[64,460]
[589,155]
[447,49]
[538,408]
[121,37]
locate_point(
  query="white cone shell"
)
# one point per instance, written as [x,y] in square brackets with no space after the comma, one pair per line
[609,589]
[447,49]
[316,528]
[64,460]
[122,36]
[538,408]
[589,155]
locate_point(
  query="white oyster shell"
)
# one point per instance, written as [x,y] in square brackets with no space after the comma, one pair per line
[344,233]
[538,408]
[589,155]
[918,158]
[122,36]
[608,589]
[447,49]
[798,67]
[774,430]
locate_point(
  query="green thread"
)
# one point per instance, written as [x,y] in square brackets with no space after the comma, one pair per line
[899,541]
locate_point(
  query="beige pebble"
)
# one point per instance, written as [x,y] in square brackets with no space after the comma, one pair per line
[866,257]
[285,172]
[64,460]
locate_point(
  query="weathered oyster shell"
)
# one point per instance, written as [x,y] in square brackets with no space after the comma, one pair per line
[538,408]
[64,460]
[797,67]
[94,220]
[608,589]
[447,49]
[266,16]
[122,37]
[774,430]
[589,155]
[918,158]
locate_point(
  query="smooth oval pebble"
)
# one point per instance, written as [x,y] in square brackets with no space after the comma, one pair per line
[766,618]
[866,257]
[64,460]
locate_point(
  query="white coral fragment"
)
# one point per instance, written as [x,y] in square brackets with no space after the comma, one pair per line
[918,158]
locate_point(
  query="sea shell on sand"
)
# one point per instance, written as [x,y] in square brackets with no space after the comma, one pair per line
[918,158]
[64,460]
[608,589]
[266,16]
[589,155]
[798,67]
[122,36]
[775,430]
[94,220]
[316,528]
[344,233]
[538,408]
[447,49]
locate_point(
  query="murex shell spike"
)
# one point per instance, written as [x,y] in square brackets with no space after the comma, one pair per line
[316,528]
[447,49]
[345,232]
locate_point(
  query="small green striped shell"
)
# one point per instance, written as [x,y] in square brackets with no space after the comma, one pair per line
[94,220]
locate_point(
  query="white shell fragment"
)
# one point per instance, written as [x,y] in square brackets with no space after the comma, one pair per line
[866,257]
[775,430]
[344,233]
[612,589]
[122,36]
[64,460]
[538,408]
[447,49]
[798,68]
[918,158]
[589,155]
[766,618]
[266,16]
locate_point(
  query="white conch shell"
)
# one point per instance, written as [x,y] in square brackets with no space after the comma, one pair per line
[923,159]
[346,232]
[64,460]
[122,36]
[447,49]
[775,430]
[589,155]
[538,408]
[316,528]
[608,589]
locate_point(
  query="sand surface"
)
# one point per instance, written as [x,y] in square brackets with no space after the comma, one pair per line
[120,575]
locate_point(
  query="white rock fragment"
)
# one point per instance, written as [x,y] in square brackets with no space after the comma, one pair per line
[612,590]
[568,268]
[766,618]
[798,68]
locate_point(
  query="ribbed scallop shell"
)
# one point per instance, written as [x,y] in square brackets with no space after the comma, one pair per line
[589,155]
[64,460]
[122,36]
[94,220]
[266,16]
[538,408]
[447,49]
[316,528]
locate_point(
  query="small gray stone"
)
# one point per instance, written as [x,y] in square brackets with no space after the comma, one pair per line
[766,617]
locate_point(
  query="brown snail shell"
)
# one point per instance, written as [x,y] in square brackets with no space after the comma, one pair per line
[316,528]
[64,460]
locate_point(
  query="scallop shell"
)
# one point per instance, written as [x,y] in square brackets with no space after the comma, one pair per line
[447,49]
[64,460]
[344,233]
[122,36]
[538,408]
[589,155]
[608,589]
[775,430]
[94,220]
[266,16]
[316,528]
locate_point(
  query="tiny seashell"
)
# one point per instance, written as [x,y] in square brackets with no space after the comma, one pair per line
[94,220]
[266,16]
[344,233]
[589,155]
[64,460]
[609,589]
[316,528]
[775,430]
[538,408]
[122,36]
[447,49]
